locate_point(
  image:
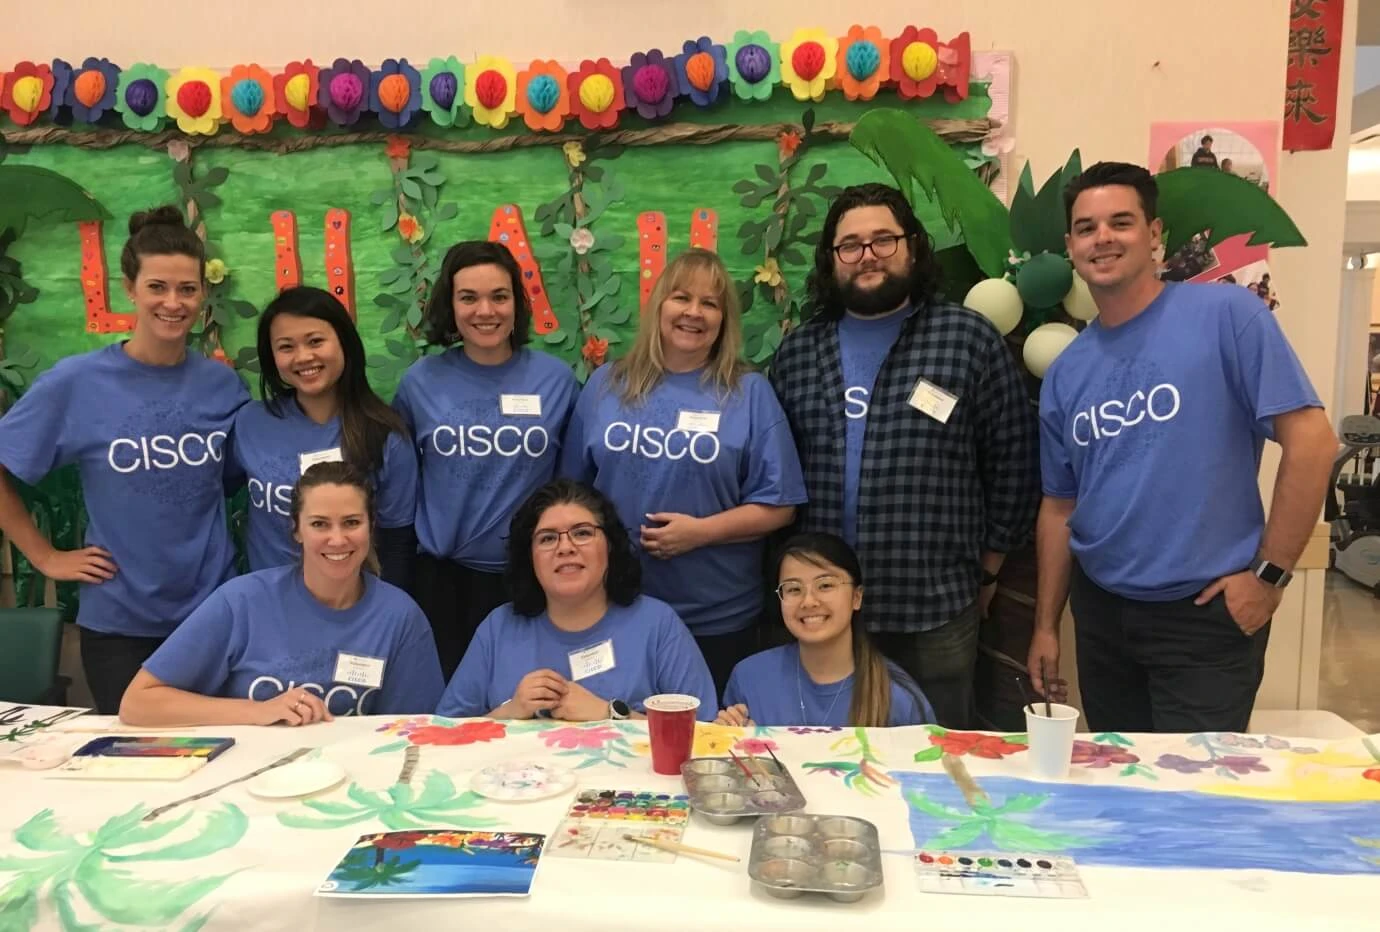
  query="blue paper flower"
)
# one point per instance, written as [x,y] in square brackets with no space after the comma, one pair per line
[92,91]
[62,85]
[395,92]
[702,68]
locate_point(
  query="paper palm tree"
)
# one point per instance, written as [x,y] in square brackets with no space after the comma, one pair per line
[398,807]
[71,872]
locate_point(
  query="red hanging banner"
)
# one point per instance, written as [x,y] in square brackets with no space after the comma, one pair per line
[1310,84]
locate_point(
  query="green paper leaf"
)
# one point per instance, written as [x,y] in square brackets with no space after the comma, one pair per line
[388,216]
[1193,200]
[410,188]
[424,161]
[807,121]
[380,197]
[447,211]
[215,176]
[768,174]
[182,175]
[553,339]
[757,197]
[1037,223]
[929,754]
[773,234]
[30,192]
[594,173]
[817,172]
[414,316]
[744,186]
[207,199]
[923,164]
[563,230]
[1026,185]
[223,829]
[398,347]
[429,197]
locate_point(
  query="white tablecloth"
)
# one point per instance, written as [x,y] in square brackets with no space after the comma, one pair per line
[237,863]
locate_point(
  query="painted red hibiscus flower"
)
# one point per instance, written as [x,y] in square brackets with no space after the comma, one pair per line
[465,733]
[976,744]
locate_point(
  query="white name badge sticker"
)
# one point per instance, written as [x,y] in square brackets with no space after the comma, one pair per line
[591,660]
[698,422]
[529,405]
[357,670]
[308,460]
[932,400]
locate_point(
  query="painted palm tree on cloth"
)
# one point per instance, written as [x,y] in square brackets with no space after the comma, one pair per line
[398,807]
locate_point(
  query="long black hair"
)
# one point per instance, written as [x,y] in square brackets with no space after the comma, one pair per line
[822,289]
[365,421]
[623,582]
[440,309]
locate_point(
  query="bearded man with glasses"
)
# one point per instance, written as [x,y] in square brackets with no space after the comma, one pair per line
[916,436]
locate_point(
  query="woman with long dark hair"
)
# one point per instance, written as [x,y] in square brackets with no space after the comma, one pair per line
[318,407]
[489,416]
[831,675]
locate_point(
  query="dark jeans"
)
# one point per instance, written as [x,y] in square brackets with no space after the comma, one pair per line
[110,662]
[455,599]
[941,661]
[722,653]
[1163,666]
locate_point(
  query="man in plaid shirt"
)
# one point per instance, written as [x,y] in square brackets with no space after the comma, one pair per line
[916,435]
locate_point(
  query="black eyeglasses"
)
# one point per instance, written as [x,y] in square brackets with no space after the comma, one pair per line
[581,535]
[883,247]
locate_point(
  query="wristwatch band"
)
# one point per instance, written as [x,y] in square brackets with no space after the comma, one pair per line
[988,578]
[1272,574]
[619,710]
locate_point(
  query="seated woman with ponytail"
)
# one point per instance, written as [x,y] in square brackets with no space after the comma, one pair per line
[832,675]
[301,643]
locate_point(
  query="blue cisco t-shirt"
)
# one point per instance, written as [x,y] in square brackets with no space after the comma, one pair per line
[267,449]
[488,436]
[864,343]
[645,462]
[1156,428]
[779,693]
[263,634]
[149,444]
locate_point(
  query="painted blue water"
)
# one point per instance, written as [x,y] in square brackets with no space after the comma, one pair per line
[451,870]
[1129,827]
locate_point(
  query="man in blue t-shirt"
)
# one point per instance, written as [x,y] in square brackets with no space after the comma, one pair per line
[1152,424]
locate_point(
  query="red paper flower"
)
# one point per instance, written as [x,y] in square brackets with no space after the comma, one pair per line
[596,94]
[991,747]
[28,92]
[398,148]
[295,92]
[595,350]
[915,62]
[955,64]
[465,733]
[789,141]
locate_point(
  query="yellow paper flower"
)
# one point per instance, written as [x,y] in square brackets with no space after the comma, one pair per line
[491,90]
[215,271]
[194,100]
[715,740]
[809,61]
[410,228]
[769,273]
[574,153]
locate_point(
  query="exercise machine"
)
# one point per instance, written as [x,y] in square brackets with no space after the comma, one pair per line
[1353,505]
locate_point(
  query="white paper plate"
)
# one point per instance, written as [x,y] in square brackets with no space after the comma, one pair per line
[300,778]
[522,781]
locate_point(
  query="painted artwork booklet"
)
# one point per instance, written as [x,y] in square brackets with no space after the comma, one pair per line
[436,863]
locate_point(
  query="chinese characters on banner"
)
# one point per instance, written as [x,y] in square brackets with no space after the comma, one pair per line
[1310,84]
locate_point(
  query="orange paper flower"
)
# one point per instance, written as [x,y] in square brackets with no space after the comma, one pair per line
[410,229]
[864,62]
[247,98]
[398,148]
[595,350]
[543,96]
[789,141]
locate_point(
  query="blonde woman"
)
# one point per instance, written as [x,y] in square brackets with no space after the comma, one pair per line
[695,452]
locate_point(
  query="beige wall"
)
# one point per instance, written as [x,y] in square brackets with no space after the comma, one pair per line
[1089,73]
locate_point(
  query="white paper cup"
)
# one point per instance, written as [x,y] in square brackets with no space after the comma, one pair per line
[1051,739]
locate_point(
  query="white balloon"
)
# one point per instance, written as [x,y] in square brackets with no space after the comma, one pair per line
[997,300]
[1044,345]
[1079,301]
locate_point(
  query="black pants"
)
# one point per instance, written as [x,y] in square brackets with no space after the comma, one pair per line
[942,663]
[455,599]
[1163,666]
[722,652]
[110,662]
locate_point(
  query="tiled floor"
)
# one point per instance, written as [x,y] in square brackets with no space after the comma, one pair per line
[1349,682]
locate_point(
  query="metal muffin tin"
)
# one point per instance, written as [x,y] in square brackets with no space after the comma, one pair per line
[723,794]
[795,853]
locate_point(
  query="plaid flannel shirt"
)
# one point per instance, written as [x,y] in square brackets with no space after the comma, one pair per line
[932,497]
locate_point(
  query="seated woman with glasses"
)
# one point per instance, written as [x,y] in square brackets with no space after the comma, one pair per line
[832,675]
[578,642]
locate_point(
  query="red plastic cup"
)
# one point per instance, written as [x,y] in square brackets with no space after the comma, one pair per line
[671,727]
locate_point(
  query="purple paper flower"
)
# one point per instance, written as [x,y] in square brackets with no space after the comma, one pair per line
[344,90]
[395,93]
[650,85]
[702,68]
[1101,756]
[1182,764]
[58,111]
[96,74]
[1241,764]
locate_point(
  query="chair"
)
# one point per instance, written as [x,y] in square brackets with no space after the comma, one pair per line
[30,648]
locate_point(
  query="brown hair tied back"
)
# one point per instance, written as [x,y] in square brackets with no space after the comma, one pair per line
[160,231]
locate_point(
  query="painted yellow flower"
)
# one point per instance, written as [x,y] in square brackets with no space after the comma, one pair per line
[1330,776]
[715,740]
[769,273]
[216,271]
[491,90]
[194,100]
[574,153]
[809,61]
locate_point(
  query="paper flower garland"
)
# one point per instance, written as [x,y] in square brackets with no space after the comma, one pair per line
[395,93]
[92,91]
[543,96]
[650,85]
[596,94]
[442,82]
[864,62]
[296,90]
[809,60]
[247,98]
[28,92]
[955,64]
[344,91]
[920,63]
[58,109]
[752,65]
[139,97]
[491,90]
[194,100]
[702,68]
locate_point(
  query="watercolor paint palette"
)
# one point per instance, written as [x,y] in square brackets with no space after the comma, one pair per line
[839,856]
[597,821]
[126,757]
[723,793]
[999,873]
